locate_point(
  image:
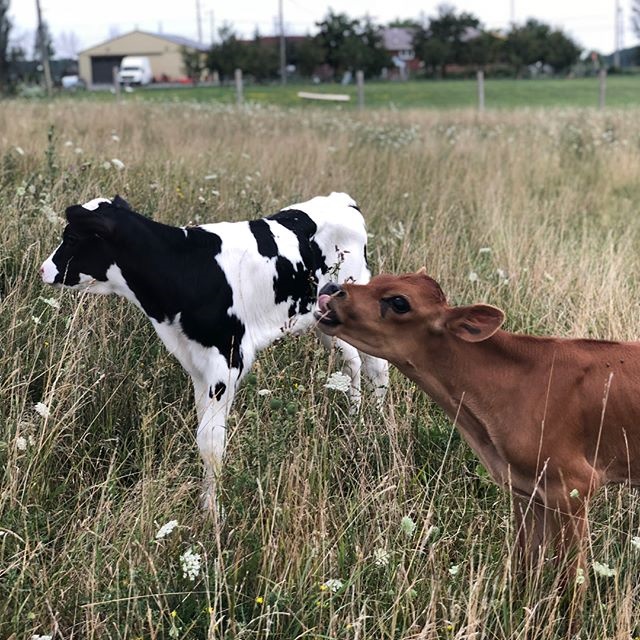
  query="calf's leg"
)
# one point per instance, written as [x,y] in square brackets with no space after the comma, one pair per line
[214,396]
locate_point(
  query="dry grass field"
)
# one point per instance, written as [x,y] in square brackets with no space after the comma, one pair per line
[378,526]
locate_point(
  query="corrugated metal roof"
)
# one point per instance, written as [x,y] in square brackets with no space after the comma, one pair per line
[179,40]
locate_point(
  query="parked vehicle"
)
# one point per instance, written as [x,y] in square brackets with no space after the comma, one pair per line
[135,70]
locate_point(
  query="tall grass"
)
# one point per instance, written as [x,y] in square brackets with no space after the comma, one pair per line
[533,211]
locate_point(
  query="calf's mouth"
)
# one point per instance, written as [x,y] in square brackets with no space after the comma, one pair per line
[324,314]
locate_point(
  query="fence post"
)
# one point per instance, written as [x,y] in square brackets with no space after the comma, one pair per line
[602,76]
[239,92]
[360,85]
[116,82]
[480,76]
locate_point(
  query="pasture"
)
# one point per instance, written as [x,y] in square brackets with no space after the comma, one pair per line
[381,525]
[507,93]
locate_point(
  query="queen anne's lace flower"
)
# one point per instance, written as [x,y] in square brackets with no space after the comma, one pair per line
[338,381]
[42,410]
[190,561]
[166,529]
[603,570]
[332,584]
[381,557]
[407,525]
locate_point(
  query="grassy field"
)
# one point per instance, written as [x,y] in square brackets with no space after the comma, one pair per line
[622,91]
[381,525]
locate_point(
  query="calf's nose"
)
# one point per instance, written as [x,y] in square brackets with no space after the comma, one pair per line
[331,289]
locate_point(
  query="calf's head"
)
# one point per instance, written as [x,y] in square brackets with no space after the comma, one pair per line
[393,316]
[86,253]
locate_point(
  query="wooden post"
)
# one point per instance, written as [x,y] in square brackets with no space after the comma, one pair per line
[602,76]
[480,90]
[239,94]
[360,85]
[116,82]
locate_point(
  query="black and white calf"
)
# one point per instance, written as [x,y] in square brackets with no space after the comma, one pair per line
[218,293]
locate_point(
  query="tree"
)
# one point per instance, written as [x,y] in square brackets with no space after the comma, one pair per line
[5,30]
[262,58]
[307,55]
[450,38]
[48,42]
[193,62]
[67,44]
[349,45]
[227,55]
[536,42]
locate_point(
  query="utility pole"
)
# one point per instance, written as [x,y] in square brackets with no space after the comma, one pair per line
[211,29]
[283,53]
[513,12]
[44,51]
[616,55]
[199,19]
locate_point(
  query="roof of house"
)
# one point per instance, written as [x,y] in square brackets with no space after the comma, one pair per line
[179,40]
[397,38]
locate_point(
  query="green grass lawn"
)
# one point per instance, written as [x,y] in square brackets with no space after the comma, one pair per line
[622,91]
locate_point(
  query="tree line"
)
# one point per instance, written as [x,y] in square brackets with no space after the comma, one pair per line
[450,41]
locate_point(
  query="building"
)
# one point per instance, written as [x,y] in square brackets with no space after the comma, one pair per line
[398,41]
[164,52]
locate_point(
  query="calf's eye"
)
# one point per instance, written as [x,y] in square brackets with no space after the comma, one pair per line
[399,304]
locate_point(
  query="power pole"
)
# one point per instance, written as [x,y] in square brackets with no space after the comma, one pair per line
[211,30]
[199,19]
[283,52]
[513,11]
[44,51]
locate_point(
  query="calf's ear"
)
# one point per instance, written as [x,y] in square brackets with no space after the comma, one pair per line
[474,323]
[89,222]
[121,202]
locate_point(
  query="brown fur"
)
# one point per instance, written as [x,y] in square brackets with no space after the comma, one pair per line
[551,419]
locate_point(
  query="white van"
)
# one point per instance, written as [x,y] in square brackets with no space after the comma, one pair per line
[135,70]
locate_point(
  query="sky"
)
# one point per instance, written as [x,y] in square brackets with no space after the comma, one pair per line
[80,24]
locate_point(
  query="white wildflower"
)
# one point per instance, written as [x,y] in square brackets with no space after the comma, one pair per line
[68,143]
[580,577]
[501,273]
[454,569]
[264,392]
[381,557]
[473,276]
[20,191]
[338,381]
[19,151]
[118,164]
[21,443]
[115,137]
[332,584]
[211,176]
[49,213]
[106,165]
[190,561]
[484,250]
[603,569]
[215,192]
[52,302]
[42,410]
[78,150]
[38,637]
[166,529]
[407,525]
[574,493]
[635,542]
[36,320]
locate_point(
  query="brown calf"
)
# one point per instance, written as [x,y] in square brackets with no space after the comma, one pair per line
[552,419]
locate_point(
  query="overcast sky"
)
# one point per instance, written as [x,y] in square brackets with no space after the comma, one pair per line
[590,22]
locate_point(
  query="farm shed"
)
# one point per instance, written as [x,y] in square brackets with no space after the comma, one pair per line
[164,52]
